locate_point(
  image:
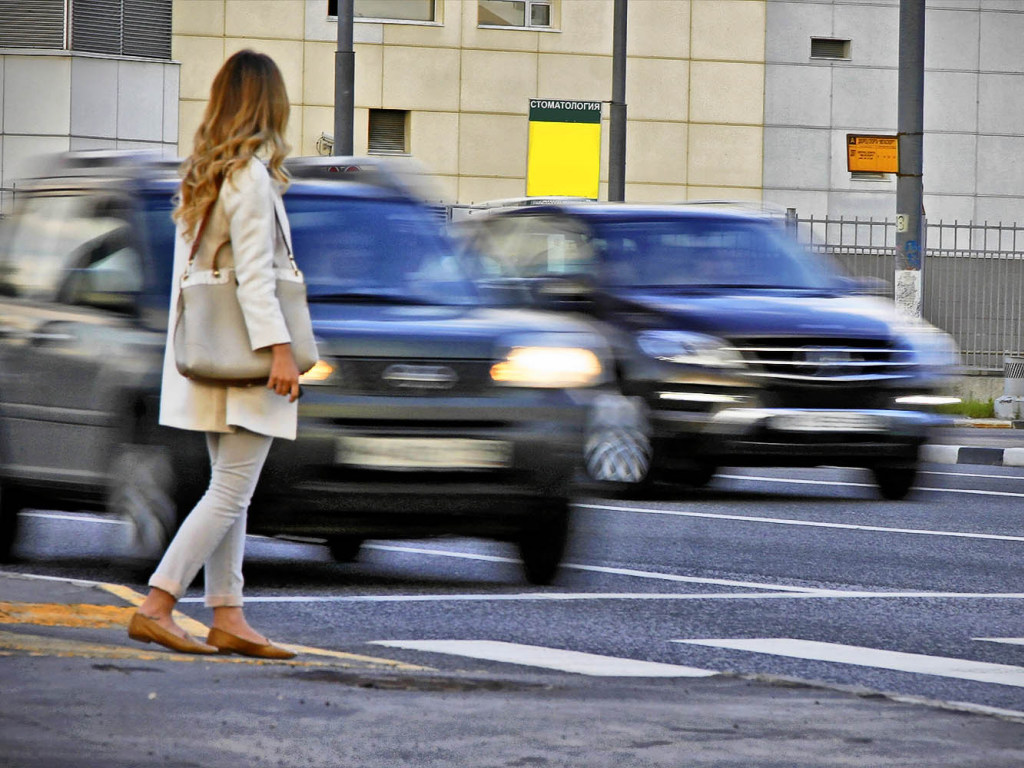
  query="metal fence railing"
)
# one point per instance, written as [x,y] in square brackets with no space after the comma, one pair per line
[973,276]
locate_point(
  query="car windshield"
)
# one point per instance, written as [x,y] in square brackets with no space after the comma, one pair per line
[691,252]
[382,251]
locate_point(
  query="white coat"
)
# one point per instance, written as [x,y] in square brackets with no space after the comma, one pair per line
[244,216]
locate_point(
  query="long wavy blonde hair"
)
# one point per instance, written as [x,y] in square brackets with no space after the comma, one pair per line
[246,115]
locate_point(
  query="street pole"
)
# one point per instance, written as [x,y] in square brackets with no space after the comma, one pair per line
[617,124]
[344,81]
[909,186]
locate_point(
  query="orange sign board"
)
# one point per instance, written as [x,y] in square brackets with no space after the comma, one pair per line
[872,154]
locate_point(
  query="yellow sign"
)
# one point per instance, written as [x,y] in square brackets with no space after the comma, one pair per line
[872,154]
[564,155]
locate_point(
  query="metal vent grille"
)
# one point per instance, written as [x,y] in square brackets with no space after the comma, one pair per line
[32,24]
[387,132]
[147,28]
[825,361]
[96,26]
[122,27]
[830,48]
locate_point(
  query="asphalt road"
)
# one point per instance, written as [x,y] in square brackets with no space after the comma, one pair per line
[795,574]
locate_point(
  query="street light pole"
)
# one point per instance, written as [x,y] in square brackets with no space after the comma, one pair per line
[909,185]
[344,81]
[617,123]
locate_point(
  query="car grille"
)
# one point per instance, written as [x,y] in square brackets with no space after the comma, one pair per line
[824,360]
[411,377]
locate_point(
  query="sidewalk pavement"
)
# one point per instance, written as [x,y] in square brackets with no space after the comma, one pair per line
[77,693]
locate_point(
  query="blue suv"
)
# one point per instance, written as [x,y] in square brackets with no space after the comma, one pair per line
[430,413]
[732,345]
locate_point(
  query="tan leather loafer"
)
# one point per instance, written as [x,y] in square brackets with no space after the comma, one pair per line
[146,630]
[226,642]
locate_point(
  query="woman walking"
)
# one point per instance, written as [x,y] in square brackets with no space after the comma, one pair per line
[230,205]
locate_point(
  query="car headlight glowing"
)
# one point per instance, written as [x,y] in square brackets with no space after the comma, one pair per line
[689,349]
[552,367]
[318,374]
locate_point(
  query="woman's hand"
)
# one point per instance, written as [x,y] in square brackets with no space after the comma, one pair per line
[284,373]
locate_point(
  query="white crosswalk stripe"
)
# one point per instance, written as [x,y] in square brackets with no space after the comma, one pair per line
[963,669]
[1007,640]
[548,658]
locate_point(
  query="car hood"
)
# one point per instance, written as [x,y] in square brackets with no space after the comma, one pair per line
[454,332]
[741,314]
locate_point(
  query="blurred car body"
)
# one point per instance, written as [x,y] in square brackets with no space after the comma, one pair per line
[732,345]
[428,414]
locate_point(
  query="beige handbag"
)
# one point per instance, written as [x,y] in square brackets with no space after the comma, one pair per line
[211,341]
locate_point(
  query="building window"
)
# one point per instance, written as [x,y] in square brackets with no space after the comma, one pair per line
[388,133]
[397,10]
[514,13]
[830,48]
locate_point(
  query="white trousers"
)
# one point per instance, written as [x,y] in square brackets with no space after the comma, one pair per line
[213,534]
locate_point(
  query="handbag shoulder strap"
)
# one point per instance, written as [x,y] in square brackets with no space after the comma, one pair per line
[287,245]
[198,240]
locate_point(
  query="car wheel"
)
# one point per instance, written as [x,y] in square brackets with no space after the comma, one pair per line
[142,492]
[345,549]
[10,505]
[894,481]
[542,544]
[618,443]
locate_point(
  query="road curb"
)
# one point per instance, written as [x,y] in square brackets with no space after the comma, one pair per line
[970,454]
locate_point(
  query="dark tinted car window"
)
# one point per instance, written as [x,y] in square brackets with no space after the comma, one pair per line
[685,252]
[389,248]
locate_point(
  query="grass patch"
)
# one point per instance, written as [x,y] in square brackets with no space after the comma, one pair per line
[972,409]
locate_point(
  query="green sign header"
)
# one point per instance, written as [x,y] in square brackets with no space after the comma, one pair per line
[560,111]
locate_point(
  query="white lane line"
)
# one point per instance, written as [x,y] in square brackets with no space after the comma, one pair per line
[981,475]
[846,484]
[548,658]
[808,523]
[1007,640]
[599,596]
[595,569]
[811,650]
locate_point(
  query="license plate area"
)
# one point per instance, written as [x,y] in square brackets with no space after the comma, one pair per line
[827,421]
[422,453]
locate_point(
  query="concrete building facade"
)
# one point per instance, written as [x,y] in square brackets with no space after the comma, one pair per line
[461,83]
[737,99]
[76,75]
[831,69]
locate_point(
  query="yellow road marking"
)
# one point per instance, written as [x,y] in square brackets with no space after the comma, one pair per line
[60,615]
[13,643]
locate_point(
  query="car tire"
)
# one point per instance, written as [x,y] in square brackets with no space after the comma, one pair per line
[894,481]
[345,549]
[11,505]
[143,492]
[618,447]
[542,544]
